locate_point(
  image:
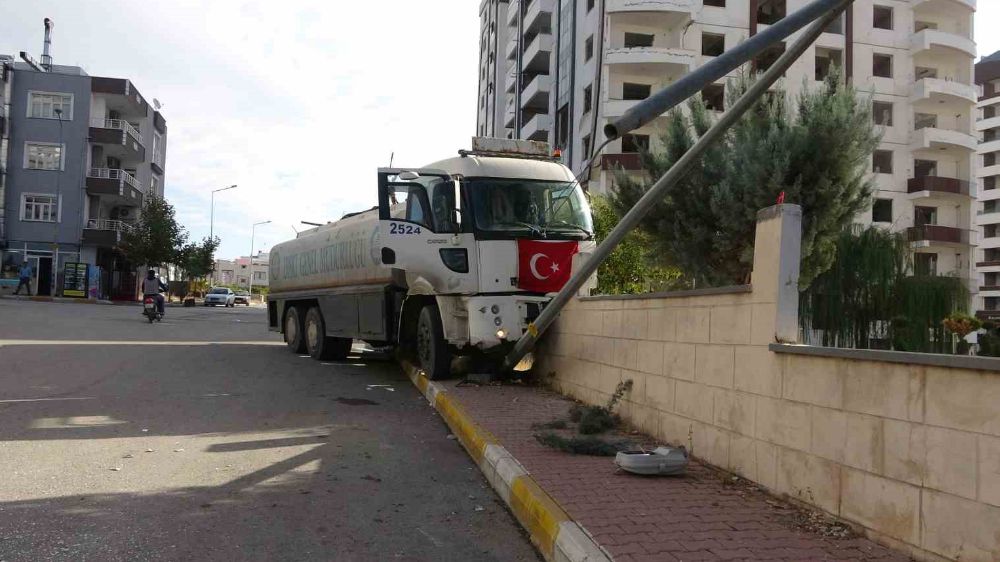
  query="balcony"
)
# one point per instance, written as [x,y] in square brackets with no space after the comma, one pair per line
[120,95]
[683,8]
[511,49]
[931,88]
[627,161]
[118,184]
[945,4]
[988,315]
[512,10]
[536,56]
[650,56]
[927,39]
[988,263]
[538,15]
[989,146]
[931,186]
[942,139]
[536,94]
[937,235]
[617,108]
[104,232]
[537,128]
[988,123]
[120,138]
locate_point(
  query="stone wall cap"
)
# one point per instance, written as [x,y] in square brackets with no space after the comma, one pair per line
[733,289]
[930,359]
[775,211]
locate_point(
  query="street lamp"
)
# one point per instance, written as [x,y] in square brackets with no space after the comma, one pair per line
[250,274]
[211,221]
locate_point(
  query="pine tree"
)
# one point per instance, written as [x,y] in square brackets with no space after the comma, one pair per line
[157,239]
[817,155]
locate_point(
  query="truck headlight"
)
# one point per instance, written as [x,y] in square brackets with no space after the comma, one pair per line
[501,334]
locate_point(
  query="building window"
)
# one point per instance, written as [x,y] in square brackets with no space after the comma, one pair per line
[154,185]
[990,159]
[882,210]
[259,275]
[826,59]
[771,11]
[989,182]
[714,97]
[633,91]
[635,143]
[716,3]
[924,168]
[635,40]
[42,156]
[590,5]
[882,161]
[881,17]
[588,49]
[40,208]
[768,57]
[158,148]
[923,216]
[990,206]
[586,147]
[562,126]
[925,264]
[882,65]
[924,121]
[588,102]
[712,44]
[882,113]
[43,105]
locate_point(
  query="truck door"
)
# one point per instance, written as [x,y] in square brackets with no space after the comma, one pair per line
[422,232]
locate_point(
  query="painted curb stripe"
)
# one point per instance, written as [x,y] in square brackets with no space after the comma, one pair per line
[552,531]
[537,512]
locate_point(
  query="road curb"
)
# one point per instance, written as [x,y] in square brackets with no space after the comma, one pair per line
[54,299]
[556,535]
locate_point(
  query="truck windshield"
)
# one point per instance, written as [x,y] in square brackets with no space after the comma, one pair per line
[524,206]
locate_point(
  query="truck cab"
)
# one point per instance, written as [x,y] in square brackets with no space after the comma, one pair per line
[472,248]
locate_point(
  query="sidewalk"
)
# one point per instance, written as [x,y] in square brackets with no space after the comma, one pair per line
[705,515]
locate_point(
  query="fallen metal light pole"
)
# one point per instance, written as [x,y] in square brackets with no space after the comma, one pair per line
[657,191]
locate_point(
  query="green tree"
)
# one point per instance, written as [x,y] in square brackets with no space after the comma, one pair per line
[198,259]
[156,239]
[629,269]
[816,153]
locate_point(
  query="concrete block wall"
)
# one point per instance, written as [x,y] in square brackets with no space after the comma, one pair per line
[905,447]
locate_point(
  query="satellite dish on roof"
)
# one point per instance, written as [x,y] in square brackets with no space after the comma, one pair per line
[157,104]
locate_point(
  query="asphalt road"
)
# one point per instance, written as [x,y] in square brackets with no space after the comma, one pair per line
[203,438]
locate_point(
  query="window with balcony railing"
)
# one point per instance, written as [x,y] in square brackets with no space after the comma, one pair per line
[922,72]
[989,183]
[637,40]
[924,168]
[924,121]
[990,206]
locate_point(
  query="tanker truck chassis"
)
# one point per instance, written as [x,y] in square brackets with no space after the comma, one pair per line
[457,259]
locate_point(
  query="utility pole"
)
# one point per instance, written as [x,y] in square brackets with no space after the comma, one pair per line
[211,220]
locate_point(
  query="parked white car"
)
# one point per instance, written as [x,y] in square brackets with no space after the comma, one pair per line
[220,295]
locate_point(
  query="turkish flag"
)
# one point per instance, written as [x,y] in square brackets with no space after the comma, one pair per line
[543,266]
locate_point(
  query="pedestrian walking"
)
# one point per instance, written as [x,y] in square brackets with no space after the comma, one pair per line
[25,274]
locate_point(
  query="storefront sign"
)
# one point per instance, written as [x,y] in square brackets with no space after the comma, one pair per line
[75,280]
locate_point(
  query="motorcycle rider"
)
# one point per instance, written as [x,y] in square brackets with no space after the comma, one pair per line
[153,287]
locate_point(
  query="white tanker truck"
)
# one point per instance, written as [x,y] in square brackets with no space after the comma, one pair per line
[457,258]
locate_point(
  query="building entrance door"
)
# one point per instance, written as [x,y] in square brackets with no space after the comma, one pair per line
[44,277]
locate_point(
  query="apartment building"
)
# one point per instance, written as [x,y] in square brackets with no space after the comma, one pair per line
[237,272]
[987,176]
[573,65]
[79,154]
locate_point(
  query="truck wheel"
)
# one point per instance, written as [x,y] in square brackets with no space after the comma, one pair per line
[432,350]
[293,331]
[318,344]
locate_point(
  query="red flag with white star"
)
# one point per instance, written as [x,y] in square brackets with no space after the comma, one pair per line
[544,266]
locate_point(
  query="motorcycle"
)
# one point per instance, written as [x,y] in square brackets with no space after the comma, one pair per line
[150,310]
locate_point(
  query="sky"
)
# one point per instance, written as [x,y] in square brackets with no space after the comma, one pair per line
[297,102]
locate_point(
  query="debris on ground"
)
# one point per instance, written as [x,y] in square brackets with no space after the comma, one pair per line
[480,508]
[662,461]
[586,445]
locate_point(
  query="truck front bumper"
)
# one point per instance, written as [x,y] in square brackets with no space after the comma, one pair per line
[495,320]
